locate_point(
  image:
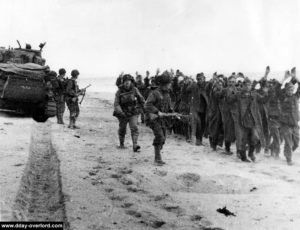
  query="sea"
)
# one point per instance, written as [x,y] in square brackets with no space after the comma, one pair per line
[105,87]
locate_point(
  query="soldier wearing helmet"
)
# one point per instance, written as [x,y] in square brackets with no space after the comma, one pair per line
[72,93]
[60,95]
[126,108]
[158,104]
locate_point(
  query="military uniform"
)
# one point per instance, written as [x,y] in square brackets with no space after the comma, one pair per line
[60,99]
[248,127]
[289,119]
[273,108]
[126,110]
[159,100]
[72,92]
[214,118]
[199,102]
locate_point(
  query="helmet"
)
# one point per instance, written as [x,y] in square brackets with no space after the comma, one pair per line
[52,73]
[74,73]
[127,77]
[61,71]
[163,79]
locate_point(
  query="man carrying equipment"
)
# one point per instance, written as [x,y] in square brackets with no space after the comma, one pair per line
[157,108]
[72,93]
[126,108]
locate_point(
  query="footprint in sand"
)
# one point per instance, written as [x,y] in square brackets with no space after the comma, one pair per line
[174,209]
[150,219]
[160,197]
[126,205]
[125,170]
[133,213]
[188,179]
[286,179]
[117,197]
[108,190]
[160,173]
[195,217]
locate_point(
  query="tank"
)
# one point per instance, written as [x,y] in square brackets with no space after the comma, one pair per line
[25,84]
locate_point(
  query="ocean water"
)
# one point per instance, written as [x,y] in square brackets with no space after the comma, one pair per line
[101,84]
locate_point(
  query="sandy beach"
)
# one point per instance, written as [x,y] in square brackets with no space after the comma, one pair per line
[49,172]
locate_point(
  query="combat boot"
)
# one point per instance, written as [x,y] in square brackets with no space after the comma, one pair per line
[135,147]
[244,156]
[62,119]
[251,153]
[157,160]
[289,161]
[71,124]
[75,126]
[59,119]
[199,142]
[227,148]
[121,139]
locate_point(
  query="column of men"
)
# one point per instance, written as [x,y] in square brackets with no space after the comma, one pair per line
[255,115]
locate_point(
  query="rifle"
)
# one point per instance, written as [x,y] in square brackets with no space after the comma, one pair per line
[84,93]
[153,116]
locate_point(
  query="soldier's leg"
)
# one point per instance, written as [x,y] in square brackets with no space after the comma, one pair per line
[142,117]
[253,142]
[60,109]
[287,133]
[227,148]
[197,128]
[295,138]
[72,110]
[133,120]
[122,130]
[238,133]
[57,110]
[63,108]
[158,142]
[77,111]
[244,141]
[202,125]
[275,136]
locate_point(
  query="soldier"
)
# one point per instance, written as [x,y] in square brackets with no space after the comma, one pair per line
[60,96]
[229,114]
[199,103]
[127,100]
[214,116]
[158,104]
[72,93]
[249,125]
[139,84]
[274,111]
[289,118]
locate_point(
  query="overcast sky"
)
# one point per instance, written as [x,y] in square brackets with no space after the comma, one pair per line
[104,37]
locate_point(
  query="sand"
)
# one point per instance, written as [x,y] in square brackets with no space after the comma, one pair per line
[91,184]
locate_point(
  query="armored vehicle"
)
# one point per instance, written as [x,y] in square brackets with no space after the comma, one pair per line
[25,84]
